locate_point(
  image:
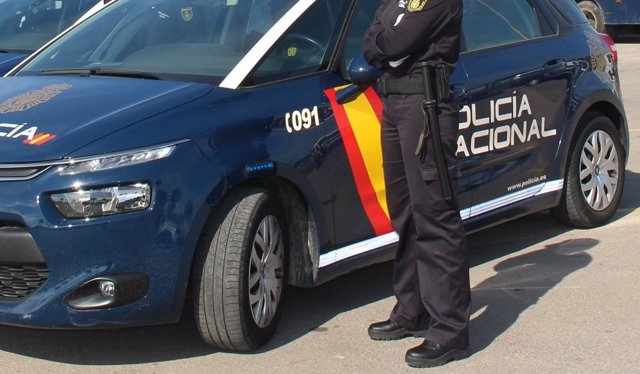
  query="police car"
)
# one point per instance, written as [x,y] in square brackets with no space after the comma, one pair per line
[230,148]
[28,24]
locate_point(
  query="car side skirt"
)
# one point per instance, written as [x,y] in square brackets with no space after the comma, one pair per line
[382,248]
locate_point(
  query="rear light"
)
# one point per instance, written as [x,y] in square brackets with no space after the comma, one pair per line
[611,45]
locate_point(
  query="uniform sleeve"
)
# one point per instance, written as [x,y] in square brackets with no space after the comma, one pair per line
[370,51]
[405,34]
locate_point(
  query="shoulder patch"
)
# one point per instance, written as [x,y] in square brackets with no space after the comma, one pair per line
[416,5]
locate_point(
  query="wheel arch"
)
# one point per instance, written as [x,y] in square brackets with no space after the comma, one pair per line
[303,231]
[572,209]
[604,106]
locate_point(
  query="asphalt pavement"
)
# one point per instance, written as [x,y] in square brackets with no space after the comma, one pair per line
[546,299]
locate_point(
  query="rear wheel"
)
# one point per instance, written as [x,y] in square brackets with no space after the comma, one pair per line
[593,13]
[239,276]
[595,175]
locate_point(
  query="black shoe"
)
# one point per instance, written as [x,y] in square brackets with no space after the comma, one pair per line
[429,354]
[389,330]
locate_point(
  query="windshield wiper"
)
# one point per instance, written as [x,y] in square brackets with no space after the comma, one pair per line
[103,72]
[82,72]
[126,73]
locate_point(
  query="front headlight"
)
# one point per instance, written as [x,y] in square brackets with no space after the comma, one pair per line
[117,160]
[103,201]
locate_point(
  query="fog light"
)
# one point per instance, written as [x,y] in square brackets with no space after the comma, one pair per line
[109,291]
[107,288]
[103,201]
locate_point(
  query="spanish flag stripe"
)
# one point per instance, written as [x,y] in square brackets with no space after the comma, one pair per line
[377,216]
[36,137]
[375,101]
[42,141]
[366,128]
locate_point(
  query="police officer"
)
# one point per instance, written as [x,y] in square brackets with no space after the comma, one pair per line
[431,271]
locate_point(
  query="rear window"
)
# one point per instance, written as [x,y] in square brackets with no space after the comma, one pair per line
[570,10]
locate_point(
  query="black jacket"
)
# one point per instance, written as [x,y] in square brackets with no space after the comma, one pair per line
[406,31]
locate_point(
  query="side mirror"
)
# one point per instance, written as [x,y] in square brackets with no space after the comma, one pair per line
[362,74]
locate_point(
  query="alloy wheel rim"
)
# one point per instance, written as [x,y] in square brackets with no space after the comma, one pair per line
[599,166]
[266,271]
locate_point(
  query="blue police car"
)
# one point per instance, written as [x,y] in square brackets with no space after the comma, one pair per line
[229,148]
[26,25]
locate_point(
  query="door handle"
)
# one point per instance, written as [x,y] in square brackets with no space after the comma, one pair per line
[550,68]
[459,92]
[554,66]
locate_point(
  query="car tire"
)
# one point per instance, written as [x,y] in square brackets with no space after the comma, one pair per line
[595,175]
[593,13]
[240,272]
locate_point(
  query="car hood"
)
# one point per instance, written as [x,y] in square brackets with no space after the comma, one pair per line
[47,118]
[9,60]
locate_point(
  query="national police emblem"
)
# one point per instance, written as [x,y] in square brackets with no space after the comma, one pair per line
[417,5]
[33,98]
[187,14]
[600,63]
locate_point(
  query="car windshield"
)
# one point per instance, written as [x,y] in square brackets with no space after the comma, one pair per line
[169,39]
[25,25]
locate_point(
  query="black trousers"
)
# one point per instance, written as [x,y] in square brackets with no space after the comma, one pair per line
[431,269]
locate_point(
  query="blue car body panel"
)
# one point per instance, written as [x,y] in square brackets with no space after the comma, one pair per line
[520,104]
[135,101]
[164,250]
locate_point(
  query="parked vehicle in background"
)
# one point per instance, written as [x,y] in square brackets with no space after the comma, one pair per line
[26,25]
[611,16]
[230,148]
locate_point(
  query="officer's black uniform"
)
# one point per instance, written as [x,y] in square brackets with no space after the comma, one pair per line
[431,271]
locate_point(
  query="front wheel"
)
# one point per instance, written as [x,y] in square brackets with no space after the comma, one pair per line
[595,175]
[240,273]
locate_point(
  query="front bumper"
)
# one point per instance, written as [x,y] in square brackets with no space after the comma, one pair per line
[57,256]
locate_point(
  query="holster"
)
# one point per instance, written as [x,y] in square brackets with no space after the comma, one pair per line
[442,82]
[434,85]
[431,131]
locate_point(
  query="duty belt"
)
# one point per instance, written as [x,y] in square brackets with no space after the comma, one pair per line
[401,86]
[409,86]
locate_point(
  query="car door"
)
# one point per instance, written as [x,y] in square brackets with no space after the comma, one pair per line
[362,222]
[288,88]
[518,84]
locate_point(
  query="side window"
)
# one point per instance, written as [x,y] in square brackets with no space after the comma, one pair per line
[488,23]
[360,22]
[571,11]
[306,47]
